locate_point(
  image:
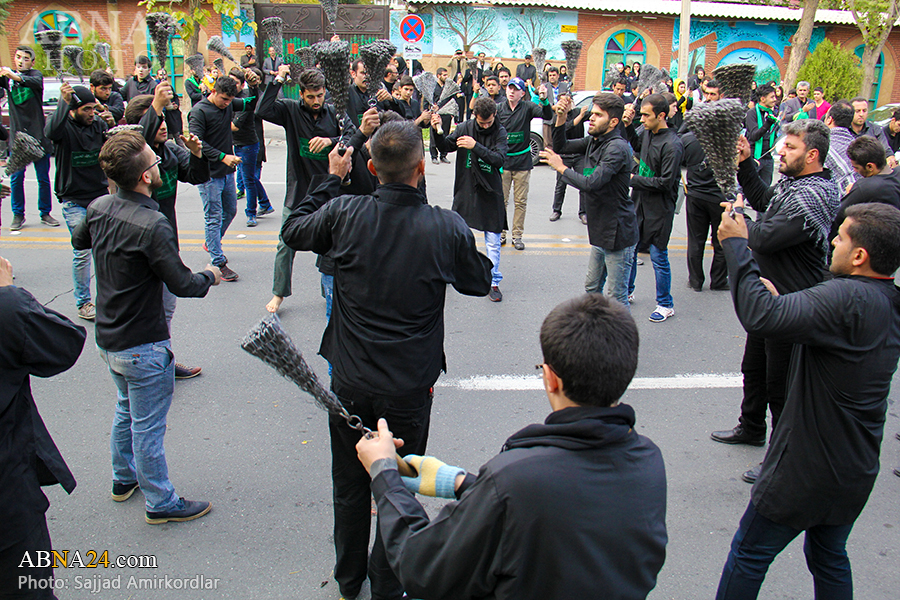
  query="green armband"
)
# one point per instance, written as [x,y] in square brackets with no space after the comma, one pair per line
[222,155]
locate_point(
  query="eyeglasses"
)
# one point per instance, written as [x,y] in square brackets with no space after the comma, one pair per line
[549,366]
[153,164]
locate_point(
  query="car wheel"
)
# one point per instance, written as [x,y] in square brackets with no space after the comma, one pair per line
[537,144]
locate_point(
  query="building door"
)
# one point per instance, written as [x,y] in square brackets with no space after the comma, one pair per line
[624,47]
[876,82]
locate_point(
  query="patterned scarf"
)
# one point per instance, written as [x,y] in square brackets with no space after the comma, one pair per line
[815,198]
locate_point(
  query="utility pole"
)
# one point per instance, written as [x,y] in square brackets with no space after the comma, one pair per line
[684,41]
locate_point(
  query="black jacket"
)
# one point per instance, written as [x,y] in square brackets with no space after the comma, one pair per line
[517,124]
[26,101]
[34,340]
[893,139]
[300,126]
[788,252]
[135,252]
[79,178]
[213,126]
[192,88]
[701,183]
[878,188]
[603,185]
[655,184]
[478,197]
[134,88]
[116,105]
[572,508]
[823,458]
[246,124]
[394,257]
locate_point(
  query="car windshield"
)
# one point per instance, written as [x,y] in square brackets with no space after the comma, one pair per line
[51,92]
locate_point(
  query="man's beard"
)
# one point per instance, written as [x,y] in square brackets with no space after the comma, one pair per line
[83,120]
[156,182]
[791,169]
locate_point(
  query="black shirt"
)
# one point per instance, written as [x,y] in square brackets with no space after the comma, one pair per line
[135,252]
[878,188]
[517,124]
[213,126]
[701,183]
[134,88]
[243,120]
[79,178]
[26,100]
[394,257]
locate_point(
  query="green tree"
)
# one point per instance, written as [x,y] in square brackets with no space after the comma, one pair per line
[833,68]
[4,14]
[192,16]
[89,59]
[875,19]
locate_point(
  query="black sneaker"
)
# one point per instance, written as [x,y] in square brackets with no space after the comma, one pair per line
[518,244]
[435,161]
[49,220]
[228,274]
[123,491]
[495,294]
[18,221]
[185,510]
[555,215]
[445,160]
[261,212]
[502,238]
[186,372]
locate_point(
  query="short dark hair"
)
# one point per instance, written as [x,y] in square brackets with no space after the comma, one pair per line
[226,85]
[311,80]
[553,69]
[484,107]
[136,108]
[100,78]
[842,113]
[27,49]
[670,99]
[503,69]
[441,70]
[248,46]
[237,73]
[611,104]
[765,90]
[620,81]
[396,150]
[819,89]
[699,68]
[591,343]
[712,83]
[354,66]
[142,60]
[859,99]
[865,149]
[896,115]
[493,78]
[876,227]
[657,103]
[120,158]
[406,80]
[814,133]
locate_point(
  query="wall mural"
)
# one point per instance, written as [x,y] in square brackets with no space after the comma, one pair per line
[766,69]
[778,36]
[244,34]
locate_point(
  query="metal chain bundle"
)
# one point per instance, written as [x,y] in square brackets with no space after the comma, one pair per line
[717,126]
[540,59]
[216,44]
[120,128]
[74,53]
[50,41]
[196,63]
[220,65]
[274,30]
[295,70]
[735,79]
[307,56]
[24,151]
[335,60]
[330,7]
[102,49]
[451,89]
[161,26]
[269,342]
[652,78]
[572,50]
[425,82]
[376,56]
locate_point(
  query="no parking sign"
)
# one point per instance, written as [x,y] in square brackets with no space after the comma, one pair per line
[412,28]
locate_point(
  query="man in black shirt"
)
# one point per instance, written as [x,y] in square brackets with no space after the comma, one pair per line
[136,251]
[394,257]
[34,341]
[78,136]
[25,88]
[446,120]
[142,82]
[112,106]
[248,58]
[891,131]
[358,98]
[823,459]
[210,120]
[527,71]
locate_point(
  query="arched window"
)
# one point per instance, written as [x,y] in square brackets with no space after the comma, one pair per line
[624,47]
[876,82]
[62,21]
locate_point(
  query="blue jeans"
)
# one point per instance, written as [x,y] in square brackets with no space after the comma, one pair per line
[219,207]
[81,259]
[660,259]
[328,294]
[616,265]
[17,184]
[145,380]
[759,540]
[247,175]
[492,243]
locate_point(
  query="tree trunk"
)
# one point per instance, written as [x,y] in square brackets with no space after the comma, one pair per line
[873,48]
[800,43]
[192,43]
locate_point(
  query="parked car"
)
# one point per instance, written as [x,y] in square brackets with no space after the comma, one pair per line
[537,125]
[881,115]
[51,92]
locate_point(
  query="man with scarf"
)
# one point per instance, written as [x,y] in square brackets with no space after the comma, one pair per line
[569,507]
[78,136]
[603,187]
[515,115]
[478,189]
[655,190]
[790,242]
[762,131]
[394,257]
[839,119]
[312,129]
[177,163]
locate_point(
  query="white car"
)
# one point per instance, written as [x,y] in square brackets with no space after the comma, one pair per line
[537,125]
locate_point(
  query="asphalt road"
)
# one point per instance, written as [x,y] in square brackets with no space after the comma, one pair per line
[252,444]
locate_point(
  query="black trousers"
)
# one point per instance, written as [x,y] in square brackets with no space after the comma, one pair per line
[704,216]
[765,369]
[41,578]
[445,126]
[559,194]
[409,418]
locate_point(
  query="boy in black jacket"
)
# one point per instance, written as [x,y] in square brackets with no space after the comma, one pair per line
[569,507]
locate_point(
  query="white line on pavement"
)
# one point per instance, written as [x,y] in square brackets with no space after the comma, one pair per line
[531,382]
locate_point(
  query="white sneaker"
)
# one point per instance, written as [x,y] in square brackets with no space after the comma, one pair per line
[661,314]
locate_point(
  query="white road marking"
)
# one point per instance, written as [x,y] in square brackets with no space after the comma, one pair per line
[533,382]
